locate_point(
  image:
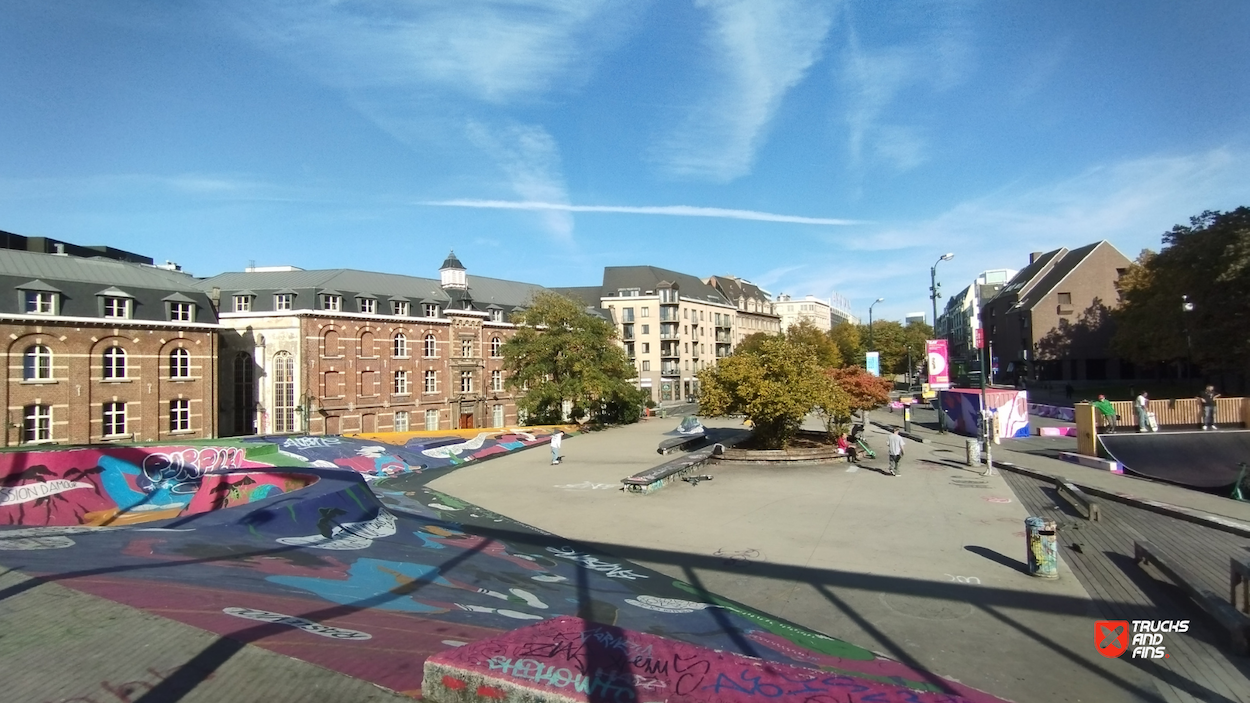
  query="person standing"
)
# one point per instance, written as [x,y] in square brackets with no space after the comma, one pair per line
[1141,406]
[1208,397]
[1107,411]
[896,445]
[555,447]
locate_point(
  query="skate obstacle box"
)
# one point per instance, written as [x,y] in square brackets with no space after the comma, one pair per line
[1239,575]
[655,478]
[681,444]
[1078,499]
[1236,624]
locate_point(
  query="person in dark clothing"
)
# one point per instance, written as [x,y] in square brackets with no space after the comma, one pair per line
[1208,397]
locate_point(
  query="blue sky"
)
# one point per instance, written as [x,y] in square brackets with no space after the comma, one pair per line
[808,146]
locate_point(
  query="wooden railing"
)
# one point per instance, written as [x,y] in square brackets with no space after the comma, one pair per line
[1178,412]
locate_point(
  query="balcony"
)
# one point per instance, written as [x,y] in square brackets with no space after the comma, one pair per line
[670,370]
[669,314]
[670,352]
[669,335]
[627,335]
[724,338]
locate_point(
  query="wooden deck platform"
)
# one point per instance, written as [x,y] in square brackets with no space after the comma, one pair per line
[1200,666]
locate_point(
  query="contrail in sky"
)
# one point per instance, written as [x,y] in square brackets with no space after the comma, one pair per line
[673,210]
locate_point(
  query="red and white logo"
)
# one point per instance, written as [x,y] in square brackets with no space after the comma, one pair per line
[1111,637]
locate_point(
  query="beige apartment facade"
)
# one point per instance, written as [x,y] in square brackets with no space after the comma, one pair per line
[754,306]
[792,311]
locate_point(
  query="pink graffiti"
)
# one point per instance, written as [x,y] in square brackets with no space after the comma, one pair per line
[578,659]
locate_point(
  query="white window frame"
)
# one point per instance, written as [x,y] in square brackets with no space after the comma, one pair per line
[496,380]
[399,346]
[180,415]
[430,347]
[430,381]
[114,413]
[431,420]
[115,360]
[466,348]
[496,347]
[497,416]
[401,383]
[181,312]
[429,310]
[180,369]
[400,308]
[114,305]
[466,381]
[283,301]
[36,424]
[242,303]
[496,315]
[37,363]
[400,423]
[40,302]
[368,306]
[332,303]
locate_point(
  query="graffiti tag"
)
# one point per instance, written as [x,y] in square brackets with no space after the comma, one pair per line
[28,492]
[611,570]
[964,579]
[337,633]
[600,685]
[311,442]
[180,470]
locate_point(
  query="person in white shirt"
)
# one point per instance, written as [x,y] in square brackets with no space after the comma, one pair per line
[1142,406]
[555,447]
[896,445]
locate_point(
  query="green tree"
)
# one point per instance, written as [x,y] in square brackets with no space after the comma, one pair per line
[849,339]
[914,337]
[775,387]
[562,353]
[1207,262]
[751,343]
[818,343]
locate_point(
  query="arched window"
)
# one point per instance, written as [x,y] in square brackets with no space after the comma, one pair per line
[114,362]
[37,363]
[366,345]
[401,346]
[283,392]
[496,347]
[430,347]
[331,346]
[244,394]
[180,363]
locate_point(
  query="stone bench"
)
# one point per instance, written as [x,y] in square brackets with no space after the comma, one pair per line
[657,477]
[1239,574]
[1078,499]
[1236,624]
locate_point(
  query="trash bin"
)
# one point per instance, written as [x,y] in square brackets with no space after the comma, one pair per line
[1040,549]
[973,448]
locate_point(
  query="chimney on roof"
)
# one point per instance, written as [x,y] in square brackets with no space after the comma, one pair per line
[1035,256]
[60,248]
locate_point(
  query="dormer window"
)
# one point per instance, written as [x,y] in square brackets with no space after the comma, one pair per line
[117,308]
[182,312]
[332,303]
[369,306]
[496,315]
[399,307]
[40,302]
[429,310]
[283,301]
[242,303]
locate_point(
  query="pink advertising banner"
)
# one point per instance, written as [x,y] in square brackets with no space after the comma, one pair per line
[939,363]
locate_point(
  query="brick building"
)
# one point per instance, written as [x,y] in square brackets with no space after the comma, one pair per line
[103,348]
[1051,321]
[341,351]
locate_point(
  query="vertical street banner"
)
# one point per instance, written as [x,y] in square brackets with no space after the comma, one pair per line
[873,363]
[939,366]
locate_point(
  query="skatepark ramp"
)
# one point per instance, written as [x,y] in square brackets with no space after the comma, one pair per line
[1207,460]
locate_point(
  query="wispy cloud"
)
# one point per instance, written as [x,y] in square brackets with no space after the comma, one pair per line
[938,57]
[530,159]
[761,49]
[193,185]
[674,210]
[491,50]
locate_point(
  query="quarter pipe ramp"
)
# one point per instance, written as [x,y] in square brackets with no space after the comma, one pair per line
[1195,459]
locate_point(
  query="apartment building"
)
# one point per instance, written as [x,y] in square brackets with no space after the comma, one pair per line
[840,311]
[341,351]
[103,347]
[959,321]
[1034,322]
[755,308]
[671,324]
[792,311]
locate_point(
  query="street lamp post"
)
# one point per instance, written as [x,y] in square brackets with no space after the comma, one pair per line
[934,295]
[870,307]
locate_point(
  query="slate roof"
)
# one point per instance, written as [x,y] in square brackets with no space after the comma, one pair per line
[648,278]
[81,281]
[353,284]
[733,288]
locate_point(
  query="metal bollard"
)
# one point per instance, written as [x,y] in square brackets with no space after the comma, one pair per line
[1040,548]
[973,448]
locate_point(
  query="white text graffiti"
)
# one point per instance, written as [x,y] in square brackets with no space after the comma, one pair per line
[298,623]
[612,570]
[28,492]
[601,685]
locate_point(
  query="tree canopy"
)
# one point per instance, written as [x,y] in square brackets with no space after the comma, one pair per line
[1206,264]
[561,353]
